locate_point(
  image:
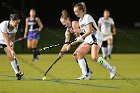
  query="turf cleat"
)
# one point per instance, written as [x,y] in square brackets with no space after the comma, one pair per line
[19,75]
[112,72]
[35,59]
[105,58]
[89,74]
[83,77]
[109,56]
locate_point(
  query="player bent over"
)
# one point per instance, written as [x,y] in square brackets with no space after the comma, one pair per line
[8,31]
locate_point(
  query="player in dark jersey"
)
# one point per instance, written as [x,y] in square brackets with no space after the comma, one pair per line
[33,27]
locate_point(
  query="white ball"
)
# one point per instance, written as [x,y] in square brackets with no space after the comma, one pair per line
[44,78]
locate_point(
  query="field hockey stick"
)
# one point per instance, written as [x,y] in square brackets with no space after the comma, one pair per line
[22,38]
[51,66]
[55,45]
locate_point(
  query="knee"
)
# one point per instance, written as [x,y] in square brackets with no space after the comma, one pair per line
[29,47]
[75,56]
[94,58]
[11,58]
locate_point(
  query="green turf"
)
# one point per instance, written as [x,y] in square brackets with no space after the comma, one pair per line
[61,78]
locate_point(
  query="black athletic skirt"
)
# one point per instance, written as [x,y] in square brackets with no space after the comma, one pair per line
[3,45]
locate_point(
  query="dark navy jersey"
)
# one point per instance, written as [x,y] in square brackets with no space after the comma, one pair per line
[32,24]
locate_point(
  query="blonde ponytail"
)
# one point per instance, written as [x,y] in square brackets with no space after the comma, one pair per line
[65,14]
[84,6]
[81,6]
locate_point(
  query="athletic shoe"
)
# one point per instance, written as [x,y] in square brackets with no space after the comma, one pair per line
[35,59]
[109,56]
[89,74]
[105,58]
[112,72]
[38,53]
[19,75]
[83,77]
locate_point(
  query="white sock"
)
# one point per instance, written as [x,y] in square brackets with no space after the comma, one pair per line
[14,66]
[104,51]
[83,66]
[109,49]
[104,63]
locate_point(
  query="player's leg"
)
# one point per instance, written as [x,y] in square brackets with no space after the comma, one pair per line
[34,44]
[14,64]
[95,56]
[89,71]
[30,42]
[76,58]
[110,47]
[82,50]
[104,49]
[30,46]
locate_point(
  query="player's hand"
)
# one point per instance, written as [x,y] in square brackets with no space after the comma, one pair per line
[80,39]
[25,36]
[12,45]
[61,54]
[68,47]
[37,32]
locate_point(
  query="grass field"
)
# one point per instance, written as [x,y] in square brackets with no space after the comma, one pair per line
[61,78]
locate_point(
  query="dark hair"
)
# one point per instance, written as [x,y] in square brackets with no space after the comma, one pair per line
[65,14]
[106,10]
[33,9]
[14,17]
[81,6]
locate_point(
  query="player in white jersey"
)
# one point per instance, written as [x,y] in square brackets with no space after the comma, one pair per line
[72,29]
[107,28]
[92,40]
[8,31]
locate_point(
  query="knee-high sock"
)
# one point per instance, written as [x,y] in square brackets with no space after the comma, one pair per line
[86,65]
[110,47]
[15,66]
[104,51]
[34,51]
[104,63]
[83,66]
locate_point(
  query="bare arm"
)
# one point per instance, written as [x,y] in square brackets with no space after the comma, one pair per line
[26,27]
[89,30]
[13,39]
[7,41]
[67,39]
[99,26]
[39,23]
[113,30]
[77,30]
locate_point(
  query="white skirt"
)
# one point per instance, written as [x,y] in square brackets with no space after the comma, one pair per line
[106,37]
[95,38]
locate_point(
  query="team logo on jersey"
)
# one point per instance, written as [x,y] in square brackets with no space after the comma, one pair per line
[9,34]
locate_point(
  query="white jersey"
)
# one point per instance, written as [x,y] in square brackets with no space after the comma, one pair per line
[106,25]
[96,36]
[4,29]
[86,20]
